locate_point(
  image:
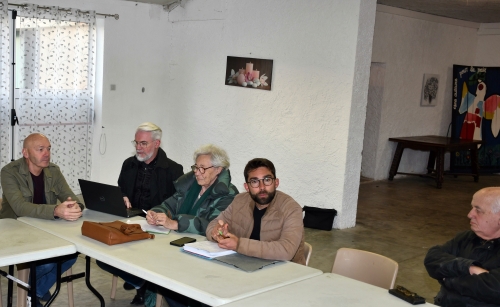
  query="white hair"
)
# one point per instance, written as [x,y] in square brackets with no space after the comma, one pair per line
[150,127]
[495,205]
[218,156]
[492,196]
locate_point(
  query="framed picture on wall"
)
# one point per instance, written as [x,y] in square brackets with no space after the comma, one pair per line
[430,89]
[249,73]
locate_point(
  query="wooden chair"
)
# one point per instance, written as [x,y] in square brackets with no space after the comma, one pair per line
[365,266]
[114,281]
[307,252]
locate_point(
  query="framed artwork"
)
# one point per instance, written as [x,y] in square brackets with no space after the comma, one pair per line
[249,73]
[475,116]
[430,90]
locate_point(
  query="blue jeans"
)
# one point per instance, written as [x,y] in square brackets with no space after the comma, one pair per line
[135,281]
[46,275]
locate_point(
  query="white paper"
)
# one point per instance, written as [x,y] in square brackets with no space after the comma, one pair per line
[150,228]
[207,248]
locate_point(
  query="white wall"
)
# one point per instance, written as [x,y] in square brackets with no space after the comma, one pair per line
[311,123]
[303,124]
[488,45]
[411,47]
[373,118]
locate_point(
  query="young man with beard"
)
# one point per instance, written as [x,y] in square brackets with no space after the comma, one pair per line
[263,222]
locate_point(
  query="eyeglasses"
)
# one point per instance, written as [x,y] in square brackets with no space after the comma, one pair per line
[142,144]
[267,181]
[200,169]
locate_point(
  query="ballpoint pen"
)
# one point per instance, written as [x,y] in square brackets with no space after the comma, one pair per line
[147,214]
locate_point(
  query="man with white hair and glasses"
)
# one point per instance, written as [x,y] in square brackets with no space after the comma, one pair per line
[468,266]
[146,180]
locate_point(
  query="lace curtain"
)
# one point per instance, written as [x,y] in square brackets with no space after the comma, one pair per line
[5,85]
[55,60]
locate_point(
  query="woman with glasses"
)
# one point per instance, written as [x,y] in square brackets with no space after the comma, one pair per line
[199,197]
[200,194]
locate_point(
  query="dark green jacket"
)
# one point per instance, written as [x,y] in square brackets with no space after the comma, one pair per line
[17,187]
[221,196]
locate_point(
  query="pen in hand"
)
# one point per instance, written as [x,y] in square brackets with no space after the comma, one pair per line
[147,215]
[145,212]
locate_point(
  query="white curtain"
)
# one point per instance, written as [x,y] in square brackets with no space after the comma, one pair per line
[5,85]
[55,59]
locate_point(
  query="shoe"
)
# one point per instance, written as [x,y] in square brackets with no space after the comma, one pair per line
[37,304]
[128,286]
[139,297]
[138,300]
[46,296]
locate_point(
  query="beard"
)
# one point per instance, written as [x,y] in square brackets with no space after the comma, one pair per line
[145,157]
[263,201]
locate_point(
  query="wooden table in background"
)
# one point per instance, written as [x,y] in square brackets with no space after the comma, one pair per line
[437,146]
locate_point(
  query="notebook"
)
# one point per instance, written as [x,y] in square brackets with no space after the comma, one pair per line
[105,198]
[207,249]
[211,250]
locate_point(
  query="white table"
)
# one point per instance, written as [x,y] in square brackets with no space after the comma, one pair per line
[325,290]
[21,243]
[210,282]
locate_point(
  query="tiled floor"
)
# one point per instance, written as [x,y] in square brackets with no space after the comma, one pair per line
[401,219]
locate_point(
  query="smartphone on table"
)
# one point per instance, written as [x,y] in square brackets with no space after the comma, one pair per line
[184,240]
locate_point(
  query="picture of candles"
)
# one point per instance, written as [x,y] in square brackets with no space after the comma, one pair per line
[249,72]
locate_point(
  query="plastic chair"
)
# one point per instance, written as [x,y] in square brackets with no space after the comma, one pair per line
[114,281]
[21,293]
[69,288]
[23,274]
[365,266]
[307,253]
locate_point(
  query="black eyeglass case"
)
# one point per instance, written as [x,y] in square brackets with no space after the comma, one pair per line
[406,295]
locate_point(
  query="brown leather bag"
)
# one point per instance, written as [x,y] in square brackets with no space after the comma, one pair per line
[114,232]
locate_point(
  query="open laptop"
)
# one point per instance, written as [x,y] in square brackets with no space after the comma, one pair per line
[105,198]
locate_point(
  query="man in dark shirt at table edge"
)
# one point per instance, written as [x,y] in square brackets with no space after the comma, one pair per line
[468,266]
